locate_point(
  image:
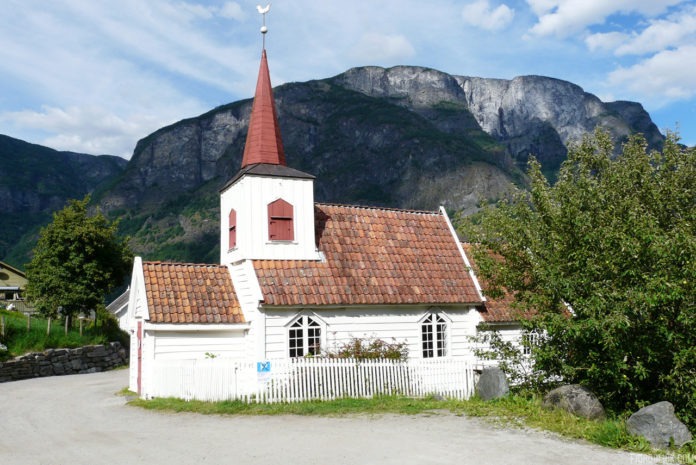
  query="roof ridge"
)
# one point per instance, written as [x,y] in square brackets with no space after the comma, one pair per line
[372,207]
[157,262]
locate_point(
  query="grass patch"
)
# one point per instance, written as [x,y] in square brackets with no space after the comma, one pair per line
[125,392]
[338,407]
[20,340]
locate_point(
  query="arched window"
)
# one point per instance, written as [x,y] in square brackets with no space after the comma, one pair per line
[304,337]
[434,336]
[530,339]
[232,222]
[280,221]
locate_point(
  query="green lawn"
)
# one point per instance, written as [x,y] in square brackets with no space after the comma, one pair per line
[20,340]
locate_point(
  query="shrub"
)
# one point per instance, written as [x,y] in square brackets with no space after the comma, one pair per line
[371,348]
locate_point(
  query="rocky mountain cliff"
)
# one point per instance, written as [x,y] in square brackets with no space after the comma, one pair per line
[528,115]
[36,181]
[405,137]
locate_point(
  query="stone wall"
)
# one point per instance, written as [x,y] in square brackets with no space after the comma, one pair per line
[53,362]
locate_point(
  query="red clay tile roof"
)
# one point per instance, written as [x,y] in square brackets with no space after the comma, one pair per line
[190,293]
[373,256]
[499,310]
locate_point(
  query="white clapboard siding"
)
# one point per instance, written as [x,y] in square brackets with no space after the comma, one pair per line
[191,345]
[296,380]
[392,324]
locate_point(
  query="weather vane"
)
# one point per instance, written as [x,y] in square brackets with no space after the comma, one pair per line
[264,29]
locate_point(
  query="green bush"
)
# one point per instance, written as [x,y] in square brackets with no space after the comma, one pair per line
[370,348]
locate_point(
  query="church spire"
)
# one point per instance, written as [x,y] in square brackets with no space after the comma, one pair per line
[263,143]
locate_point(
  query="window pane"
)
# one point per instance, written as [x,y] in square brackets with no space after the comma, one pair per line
[296,341]
[314,341]
[427,337]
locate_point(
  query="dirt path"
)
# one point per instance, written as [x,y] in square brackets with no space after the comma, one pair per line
[75,420]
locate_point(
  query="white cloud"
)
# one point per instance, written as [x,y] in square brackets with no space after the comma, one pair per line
[662,34]
[232,10]
[606,41]
[480,14]
[541,7]
[664,77]
[562,18]
[89,129]
[82,129]
[374,47]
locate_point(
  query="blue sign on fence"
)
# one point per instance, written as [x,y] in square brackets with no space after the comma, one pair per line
[263,367]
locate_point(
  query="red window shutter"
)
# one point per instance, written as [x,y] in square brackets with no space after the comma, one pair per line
[280,221]
[232,222]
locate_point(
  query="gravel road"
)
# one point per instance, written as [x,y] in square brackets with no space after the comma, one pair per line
[75,420]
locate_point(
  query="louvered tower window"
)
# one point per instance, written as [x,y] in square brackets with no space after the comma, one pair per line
[232,222]
[280,221]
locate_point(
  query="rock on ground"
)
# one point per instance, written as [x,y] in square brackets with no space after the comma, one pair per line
[492,384]
[577,400]
[658,424]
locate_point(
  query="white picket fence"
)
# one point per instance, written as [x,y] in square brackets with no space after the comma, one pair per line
[297,380]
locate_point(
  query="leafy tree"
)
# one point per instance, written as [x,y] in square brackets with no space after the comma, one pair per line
[77,260]
[607,257]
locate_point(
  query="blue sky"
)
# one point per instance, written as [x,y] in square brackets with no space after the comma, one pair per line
[95,76]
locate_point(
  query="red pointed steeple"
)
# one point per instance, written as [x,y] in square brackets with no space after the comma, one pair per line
[263,143]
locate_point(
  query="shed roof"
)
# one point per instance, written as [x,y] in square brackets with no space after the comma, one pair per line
[190,293]
[373,256]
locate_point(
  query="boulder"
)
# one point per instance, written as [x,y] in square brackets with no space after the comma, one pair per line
[575,399]
[492,384]
[658,424]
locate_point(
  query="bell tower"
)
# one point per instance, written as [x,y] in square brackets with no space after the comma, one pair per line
[267,208]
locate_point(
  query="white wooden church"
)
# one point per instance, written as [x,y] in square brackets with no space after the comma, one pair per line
[297,277]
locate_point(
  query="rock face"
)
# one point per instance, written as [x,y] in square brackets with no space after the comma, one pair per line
[492,384]
[404,137]
[528,114]
[35,181]
[658,424]
[575,399]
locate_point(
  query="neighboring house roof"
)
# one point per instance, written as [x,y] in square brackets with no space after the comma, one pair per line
[12,277]
[190,293]
[373,256]
[498,310]
[119,304]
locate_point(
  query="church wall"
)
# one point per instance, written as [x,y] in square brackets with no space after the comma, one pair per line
[391,324]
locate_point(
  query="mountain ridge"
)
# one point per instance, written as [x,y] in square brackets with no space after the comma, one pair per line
[35,181]
[407,137]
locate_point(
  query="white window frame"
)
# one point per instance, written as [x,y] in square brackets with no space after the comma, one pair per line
[533,338]
[304,320]
[436,318]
